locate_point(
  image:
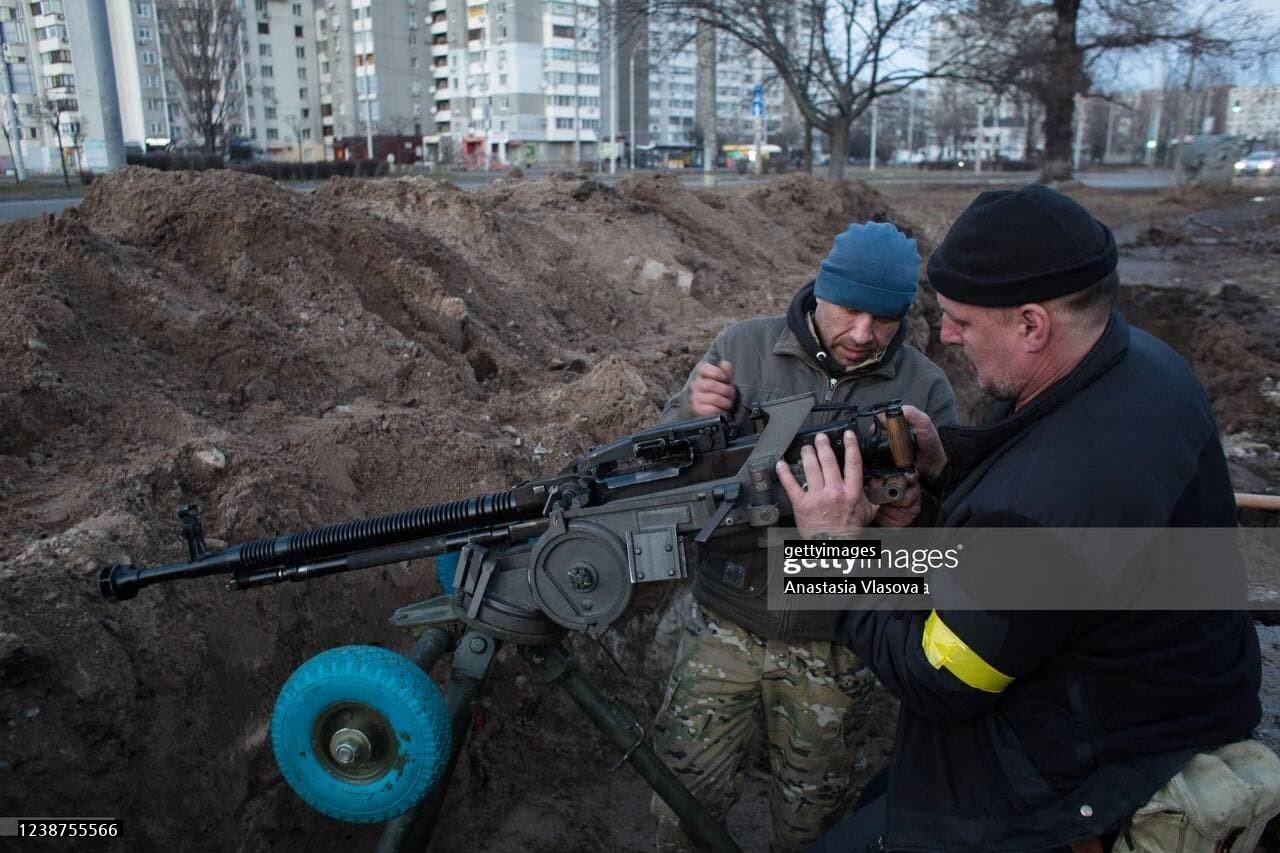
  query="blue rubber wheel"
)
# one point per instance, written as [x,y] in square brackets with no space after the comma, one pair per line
[360,733]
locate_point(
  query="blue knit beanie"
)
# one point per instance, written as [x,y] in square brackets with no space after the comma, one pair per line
[872,267]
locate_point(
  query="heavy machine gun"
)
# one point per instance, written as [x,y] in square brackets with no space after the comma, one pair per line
[363,734]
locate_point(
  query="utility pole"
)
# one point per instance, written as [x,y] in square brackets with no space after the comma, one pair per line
[1153,133]
[368,120]
[613,88]
[911,125]
[872,161]
[577,109]
[631,134]
[1111,121]
[1080,105]
[981,137]
[757,111]
[707,113]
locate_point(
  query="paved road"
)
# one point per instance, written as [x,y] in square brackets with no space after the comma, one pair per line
[26,208]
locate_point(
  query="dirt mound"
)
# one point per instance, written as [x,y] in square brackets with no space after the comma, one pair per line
[285,360]
[288,359]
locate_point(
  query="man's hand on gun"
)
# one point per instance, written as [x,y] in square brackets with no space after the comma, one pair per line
[712,391]
[831,501]
[931,458]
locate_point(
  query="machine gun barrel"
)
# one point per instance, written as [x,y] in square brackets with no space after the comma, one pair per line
[323,550]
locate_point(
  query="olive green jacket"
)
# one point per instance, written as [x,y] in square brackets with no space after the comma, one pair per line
[770,361]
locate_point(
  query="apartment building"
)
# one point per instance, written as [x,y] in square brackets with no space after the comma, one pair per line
[373,78]
[49,78]
[280,77]
[514,81]
[1254,113]
[145,100]
[666,89]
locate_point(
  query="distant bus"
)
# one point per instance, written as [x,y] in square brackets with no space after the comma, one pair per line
[732,153]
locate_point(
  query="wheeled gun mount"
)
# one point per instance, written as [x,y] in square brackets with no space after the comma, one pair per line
[719,480]
[363,734]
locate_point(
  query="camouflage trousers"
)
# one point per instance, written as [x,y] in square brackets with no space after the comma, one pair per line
[726,684]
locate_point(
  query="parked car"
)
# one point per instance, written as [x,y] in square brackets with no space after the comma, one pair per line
[1258,163]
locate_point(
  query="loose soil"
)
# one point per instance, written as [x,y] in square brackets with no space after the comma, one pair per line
[287,360]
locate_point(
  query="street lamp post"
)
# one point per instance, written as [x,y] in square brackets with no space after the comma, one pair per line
[613,88]
[368,120]
[631,142]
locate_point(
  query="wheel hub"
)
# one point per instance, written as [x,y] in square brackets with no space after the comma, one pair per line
[354,742]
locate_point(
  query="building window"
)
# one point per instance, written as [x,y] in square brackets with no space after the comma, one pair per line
[264,28]
[142,10]
[268,71]
[148,57]
[269,93]
[260,5]
[269,112]
[297,12]
[297,31]
[300,52]
[156,128]
[561,31]
[302,73]
[264,50]
[564,123]
[302,95]
[144,35]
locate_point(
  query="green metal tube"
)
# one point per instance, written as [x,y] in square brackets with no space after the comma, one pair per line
[412,830]
[621,728]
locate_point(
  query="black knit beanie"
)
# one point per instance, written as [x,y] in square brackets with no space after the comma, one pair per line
[1010,247]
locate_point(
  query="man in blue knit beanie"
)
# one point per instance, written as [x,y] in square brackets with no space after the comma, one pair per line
[741,668]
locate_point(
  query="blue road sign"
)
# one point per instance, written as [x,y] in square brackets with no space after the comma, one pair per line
[757,108]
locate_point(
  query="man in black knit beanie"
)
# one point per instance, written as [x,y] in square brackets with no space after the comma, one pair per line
[1056,729]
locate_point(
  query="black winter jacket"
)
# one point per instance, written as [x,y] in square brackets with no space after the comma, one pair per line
[1101,709]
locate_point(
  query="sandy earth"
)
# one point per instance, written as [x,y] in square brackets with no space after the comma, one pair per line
[290,360]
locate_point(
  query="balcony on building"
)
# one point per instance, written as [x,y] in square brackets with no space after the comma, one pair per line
[48,19]
[49,45]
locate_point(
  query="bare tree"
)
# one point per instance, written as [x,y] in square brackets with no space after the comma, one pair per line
[49,113]
[78,131]
[202,47]
[8,140]
[296,125]
[1053,50]
[834,56]
[396,125]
